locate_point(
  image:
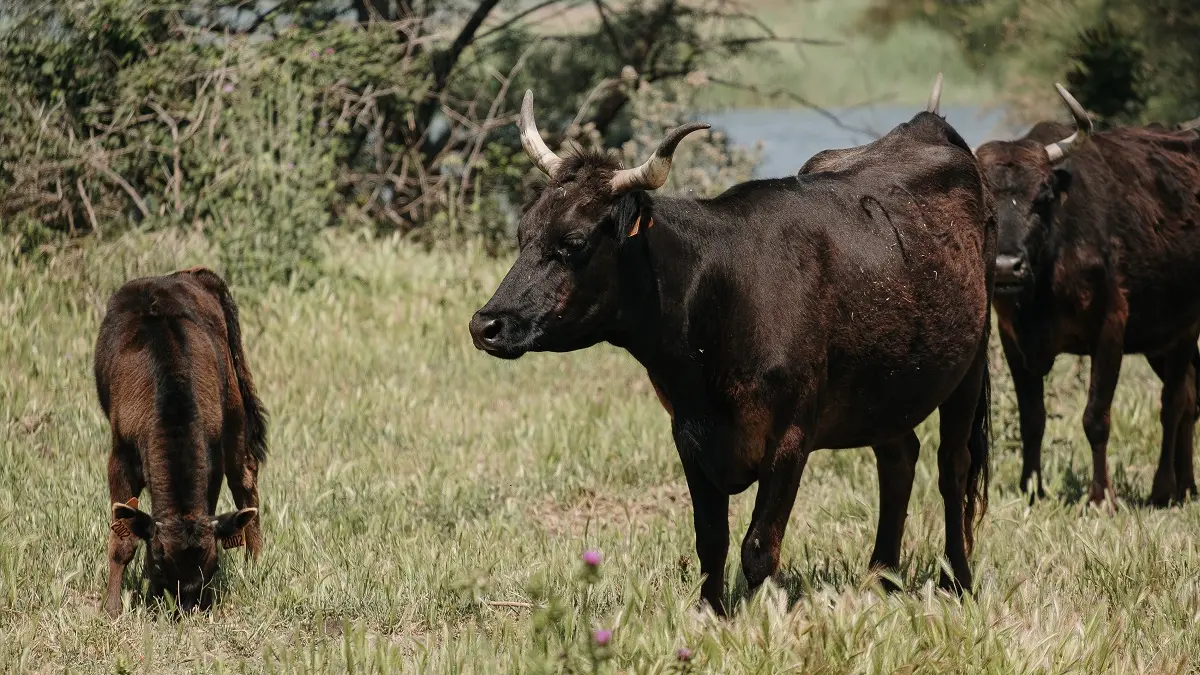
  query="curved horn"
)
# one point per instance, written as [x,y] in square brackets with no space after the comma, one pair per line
[1061,150]
[541,154]
[653,174]
[935,96]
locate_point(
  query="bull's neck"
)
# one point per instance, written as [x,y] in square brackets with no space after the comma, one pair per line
[659,267]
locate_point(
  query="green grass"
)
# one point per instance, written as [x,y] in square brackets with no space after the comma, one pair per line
[414,482]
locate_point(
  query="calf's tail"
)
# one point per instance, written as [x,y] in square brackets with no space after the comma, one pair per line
[979,473]
[256,414]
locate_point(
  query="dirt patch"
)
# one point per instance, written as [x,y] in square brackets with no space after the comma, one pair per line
[592,511]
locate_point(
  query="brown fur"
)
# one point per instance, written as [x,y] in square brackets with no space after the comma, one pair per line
[183,413]
[1108,245]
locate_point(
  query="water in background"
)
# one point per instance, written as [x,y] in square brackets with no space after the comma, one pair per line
[791,136]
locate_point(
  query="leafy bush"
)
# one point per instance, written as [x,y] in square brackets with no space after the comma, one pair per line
[1128,61]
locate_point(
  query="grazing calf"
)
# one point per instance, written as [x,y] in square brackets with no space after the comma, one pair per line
[1099,254]
[836,308]
[173,381]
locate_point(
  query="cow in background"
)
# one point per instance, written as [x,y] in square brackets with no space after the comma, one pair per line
[1099,255]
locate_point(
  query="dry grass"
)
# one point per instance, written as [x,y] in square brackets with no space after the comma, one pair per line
[426,506]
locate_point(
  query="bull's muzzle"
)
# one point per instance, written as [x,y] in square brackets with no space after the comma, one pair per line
[1012,272]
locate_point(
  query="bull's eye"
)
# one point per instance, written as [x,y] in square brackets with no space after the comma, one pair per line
[573,243]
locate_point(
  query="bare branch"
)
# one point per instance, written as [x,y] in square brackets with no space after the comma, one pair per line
[783,93]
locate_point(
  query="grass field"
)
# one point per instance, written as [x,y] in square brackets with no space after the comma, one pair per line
[415,486]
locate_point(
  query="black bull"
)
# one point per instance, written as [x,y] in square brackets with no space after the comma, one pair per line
[837,308]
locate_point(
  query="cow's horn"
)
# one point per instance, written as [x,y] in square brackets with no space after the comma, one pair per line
[543,157]
[935,96]
[653,174]
[1060,150]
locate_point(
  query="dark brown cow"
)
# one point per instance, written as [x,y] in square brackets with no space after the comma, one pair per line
[1100,255]
[836,308]
[173,381]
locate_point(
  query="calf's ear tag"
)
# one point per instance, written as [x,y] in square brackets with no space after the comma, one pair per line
[118,525]
[121,529]
[236,540]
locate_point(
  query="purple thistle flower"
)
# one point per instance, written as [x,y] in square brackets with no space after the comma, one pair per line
[684,654]
[313,54]
[322,124]
[602,637]
[329,51]
[592,558]
[228,88]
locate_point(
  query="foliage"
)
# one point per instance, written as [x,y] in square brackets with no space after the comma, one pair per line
[1128,61]
[260,124]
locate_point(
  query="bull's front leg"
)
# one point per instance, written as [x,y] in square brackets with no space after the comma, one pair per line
[779,478]
[1031,408]
[1106,369]
[710,516]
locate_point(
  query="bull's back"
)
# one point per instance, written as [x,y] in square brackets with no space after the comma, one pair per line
[877,285]
[1152,216]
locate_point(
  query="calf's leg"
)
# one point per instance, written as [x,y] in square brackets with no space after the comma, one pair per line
[896,462]
[779,478]
[1031,407]
[241,471]
[125,481]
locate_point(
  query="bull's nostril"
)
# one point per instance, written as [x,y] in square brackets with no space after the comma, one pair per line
[1018,265]
[491,329]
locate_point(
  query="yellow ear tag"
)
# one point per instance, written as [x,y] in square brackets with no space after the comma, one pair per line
[636,225]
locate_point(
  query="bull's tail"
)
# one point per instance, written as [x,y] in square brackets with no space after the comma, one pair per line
[979,473]
[1196,379]
[256,414]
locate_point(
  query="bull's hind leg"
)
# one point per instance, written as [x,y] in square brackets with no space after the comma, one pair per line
[896,462]
[241,470]
[1177,417]
[125,481]
[955,472]
[779,478]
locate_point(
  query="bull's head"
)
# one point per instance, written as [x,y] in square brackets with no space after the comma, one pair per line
[1029,181]
[181,556]
[563,288]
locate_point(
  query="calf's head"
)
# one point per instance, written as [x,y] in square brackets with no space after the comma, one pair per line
[563,287]
[181,554]
[1028,180]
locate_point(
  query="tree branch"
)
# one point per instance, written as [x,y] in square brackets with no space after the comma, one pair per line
[776,93]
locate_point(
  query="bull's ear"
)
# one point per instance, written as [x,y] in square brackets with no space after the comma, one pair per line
[1062,180]
[129,521]
[228,526]
[632,216]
